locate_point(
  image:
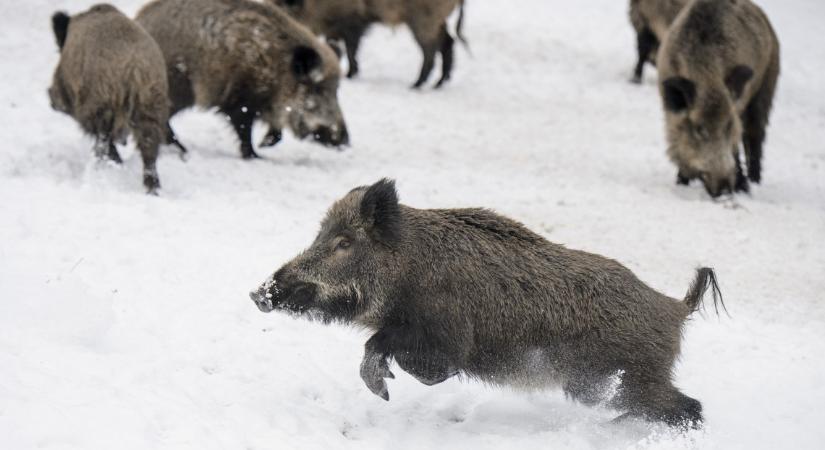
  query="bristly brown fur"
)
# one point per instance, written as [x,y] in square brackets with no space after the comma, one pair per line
[111,79]
[470,292]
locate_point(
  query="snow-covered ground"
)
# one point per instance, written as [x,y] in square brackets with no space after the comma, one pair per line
[124,318]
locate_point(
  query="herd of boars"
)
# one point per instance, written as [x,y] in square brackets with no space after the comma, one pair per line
[446,292]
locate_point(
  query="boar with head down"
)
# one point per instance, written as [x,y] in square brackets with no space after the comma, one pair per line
[718,68]
[251,62]
[467,291]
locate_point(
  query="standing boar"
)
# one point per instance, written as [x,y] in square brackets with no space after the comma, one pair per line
[467,291]
[718,68]
[651,19]
[348,20]
[111,78]
[250,61]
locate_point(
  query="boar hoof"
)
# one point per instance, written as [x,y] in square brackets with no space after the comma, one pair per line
[114,156]
[249,154]
[374,369]
[272,137]
[182,151]
[741,184]
[151,182]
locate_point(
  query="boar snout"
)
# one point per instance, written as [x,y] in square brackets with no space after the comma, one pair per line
[277,293]
[334,136]
[261,300]
[716,188]
[297,298]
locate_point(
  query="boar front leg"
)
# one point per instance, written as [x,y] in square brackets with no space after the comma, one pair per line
[414,353]
[430,367]
[374,366]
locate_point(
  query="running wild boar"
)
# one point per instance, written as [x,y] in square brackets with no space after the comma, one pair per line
[651,20]
[111,79]
[250,61]
[718,67]
[470,292]
[348,20]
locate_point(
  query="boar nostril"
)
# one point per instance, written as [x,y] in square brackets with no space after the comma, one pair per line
[254,296]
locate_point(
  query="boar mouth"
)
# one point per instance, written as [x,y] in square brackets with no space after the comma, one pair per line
[263,302]
[296,299]
[335,136]
[331,136]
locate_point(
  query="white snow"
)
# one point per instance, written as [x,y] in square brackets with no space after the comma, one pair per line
[125,321]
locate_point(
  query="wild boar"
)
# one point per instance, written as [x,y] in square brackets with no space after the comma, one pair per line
[348,20]
[718,67]
[111,79]
[467,291]
[250,61]
[651,20]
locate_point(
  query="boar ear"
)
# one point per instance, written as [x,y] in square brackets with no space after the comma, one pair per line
[737,78]
[306,64]
[60,26]
[380,211]
[678,93]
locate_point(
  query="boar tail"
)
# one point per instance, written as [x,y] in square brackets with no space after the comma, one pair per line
[60,25]
[705,278]
[459,26]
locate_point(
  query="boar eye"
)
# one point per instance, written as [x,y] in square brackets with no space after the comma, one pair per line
[343,244]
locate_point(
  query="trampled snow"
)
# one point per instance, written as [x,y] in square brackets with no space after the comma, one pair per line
[125,321]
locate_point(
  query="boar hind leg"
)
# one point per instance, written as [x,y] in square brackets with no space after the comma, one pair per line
[658,401]
[101,126]
[446,50]
[351,34]
[105,149]
[148,136]
[646,44]
[429,43]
